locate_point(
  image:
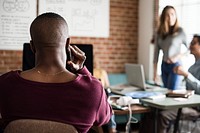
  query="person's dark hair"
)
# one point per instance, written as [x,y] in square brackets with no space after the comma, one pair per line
[49,15]
[164,28]
[43,26]
[197,36]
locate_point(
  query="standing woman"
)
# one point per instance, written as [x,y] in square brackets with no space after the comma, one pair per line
[169,39]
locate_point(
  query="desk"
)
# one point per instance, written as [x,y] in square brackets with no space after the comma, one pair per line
[170,103]
[136,108]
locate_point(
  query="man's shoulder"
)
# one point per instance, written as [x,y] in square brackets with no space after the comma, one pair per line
[8,74]
[89,79]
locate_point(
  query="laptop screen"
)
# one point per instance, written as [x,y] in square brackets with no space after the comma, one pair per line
[135,75]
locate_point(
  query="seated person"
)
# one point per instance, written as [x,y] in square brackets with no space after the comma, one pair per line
[102,75]
[49,91]
[192,78]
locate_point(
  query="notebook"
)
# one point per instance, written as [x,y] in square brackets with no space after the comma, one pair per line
[135,81]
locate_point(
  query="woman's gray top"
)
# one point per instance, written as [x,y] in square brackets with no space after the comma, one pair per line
[170,46]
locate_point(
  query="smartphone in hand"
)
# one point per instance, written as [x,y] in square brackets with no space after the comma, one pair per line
[69,58]
[69,54]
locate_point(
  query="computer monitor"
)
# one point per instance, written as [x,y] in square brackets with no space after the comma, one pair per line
[28,60]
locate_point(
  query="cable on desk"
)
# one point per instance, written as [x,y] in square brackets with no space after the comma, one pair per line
[131,119]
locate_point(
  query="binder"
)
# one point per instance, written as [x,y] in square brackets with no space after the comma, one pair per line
[180,93]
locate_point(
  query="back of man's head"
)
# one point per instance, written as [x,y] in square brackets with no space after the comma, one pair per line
[49,29]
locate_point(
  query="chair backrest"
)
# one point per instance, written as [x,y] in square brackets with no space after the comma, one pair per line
[38,126]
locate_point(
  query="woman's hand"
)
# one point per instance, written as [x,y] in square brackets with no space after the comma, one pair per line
[78,58]
[156,79]
[172,60]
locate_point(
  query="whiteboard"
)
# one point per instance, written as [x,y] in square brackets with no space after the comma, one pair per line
[15,19]
[86,18]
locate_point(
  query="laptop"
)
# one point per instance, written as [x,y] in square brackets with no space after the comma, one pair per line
[135,81]
[135,75]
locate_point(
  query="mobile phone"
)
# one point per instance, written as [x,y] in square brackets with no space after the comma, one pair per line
[69,54]
[69,57]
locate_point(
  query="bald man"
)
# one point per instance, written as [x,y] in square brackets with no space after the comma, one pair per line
[49,91]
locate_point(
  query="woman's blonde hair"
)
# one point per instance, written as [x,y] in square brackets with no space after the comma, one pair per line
[164,27]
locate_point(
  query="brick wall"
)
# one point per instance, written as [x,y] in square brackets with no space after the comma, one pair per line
[113,52]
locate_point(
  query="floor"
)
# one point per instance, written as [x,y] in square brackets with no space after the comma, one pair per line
[188,127]
[120,129]
[134,128]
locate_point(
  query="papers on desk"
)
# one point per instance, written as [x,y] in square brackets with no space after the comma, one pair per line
[180,99]
[146,94]
[114,101]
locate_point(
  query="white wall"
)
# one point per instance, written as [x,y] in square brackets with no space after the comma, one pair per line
[145,48]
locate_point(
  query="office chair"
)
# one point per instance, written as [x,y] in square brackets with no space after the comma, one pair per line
[188,122]
[38,126]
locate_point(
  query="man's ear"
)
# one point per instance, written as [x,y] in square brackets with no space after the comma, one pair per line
[32,46]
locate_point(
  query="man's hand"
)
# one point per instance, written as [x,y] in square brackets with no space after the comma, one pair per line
[78,58]
[180,70]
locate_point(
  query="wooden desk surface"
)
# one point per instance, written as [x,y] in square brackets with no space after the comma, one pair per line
[136,109]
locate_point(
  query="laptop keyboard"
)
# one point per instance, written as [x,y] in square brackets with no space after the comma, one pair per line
[122,89]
